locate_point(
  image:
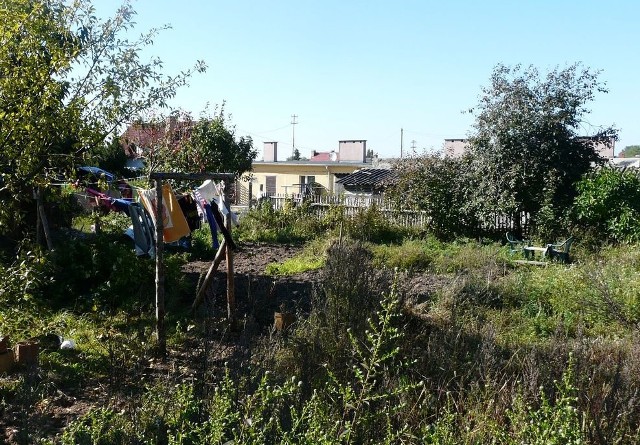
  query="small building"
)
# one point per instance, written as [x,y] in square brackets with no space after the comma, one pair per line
[318,175]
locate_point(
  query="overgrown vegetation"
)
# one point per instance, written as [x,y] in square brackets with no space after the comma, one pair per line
[411,335]
[483,351]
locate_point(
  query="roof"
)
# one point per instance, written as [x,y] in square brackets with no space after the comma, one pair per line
[367,177]
[322,157]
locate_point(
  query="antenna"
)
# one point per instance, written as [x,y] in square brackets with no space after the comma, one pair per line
[293,136]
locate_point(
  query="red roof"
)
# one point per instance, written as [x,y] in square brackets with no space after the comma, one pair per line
[324,156]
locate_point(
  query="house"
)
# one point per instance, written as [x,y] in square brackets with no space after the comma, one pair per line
[318,175]
[140,138]
[604,146]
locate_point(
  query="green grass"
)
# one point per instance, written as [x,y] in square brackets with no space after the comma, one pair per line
[312,257]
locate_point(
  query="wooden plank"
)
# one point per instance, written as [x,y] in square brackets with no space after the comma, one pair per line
[231,287]
[533,263]
[192,176]
[209,276]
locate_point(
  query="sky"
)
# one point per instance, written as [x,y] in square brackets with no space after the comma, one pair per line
[356,69]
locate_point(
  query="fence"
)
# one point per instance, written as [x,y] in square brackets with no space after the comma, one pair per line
[353,204]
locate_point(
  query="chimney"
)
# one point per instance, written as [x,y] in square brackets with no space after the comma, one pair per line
[354,151]
[313,153]
[270,152]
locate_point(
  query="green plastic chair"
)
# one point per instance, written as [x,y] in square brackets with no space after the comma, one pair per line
[560,252]
[515,245]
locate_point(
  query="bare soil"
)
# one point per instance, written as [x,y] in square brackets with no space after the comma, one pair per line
[258,297]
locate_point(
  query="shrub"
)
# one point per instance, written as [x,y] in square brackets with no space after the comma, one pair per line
[608,203]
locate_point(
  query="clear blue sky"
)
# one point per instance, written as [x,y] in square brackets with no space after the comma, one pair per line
[365,69]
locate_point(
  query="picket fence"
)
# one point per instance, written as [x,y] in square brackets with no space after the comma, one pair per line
[353,204]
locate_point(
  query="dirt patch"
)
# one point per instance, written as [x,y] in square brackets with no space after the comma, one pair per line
[258,295]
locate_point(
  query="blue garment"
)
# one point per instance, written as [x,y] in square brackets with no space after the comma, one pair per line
[121,205]
[212,226]
[143,230]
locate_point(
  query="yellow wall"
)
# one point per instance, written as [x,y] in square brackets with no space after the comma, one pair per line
[288,173]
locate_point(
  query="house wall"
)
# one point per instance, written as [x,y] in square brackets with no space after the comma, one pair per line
[288,174]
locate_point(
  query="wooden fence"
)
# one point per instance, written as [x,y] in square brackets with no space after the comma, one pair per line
[353,204]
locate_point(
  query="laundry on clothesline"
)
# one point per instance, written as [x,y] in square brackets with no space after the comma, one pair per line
[173,220]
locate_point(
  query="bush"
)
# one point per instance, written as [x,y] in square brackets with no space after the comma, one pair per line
[608,205]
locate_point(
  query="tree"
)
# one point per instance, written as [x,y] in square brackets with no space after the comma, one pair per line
[206,145]
[68,81]
[526,152]
[630,151]
[439,187]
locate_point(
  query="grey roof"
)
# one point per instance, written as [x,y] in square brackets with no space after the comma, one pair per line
[367,177]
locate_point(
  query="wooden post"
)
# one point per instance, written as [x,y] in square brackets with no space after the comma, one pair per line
[160,308]
[222,250]
[160,311]
[231,288]
[43,220]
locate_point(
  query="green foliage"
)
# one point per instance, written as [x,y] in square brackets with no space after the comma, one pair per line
[110,157]
[208,144]
[290,224]
[68,81]
[608,205]
[630,151]
[310,259]
[525,151]
[556,422]
[201,244]
[438,186]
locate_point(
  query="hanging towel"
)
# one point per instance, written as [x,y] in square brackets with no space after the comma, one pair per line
[174,223]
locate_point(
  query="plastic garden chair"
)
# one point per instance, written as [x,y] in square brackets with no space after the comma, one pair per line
[560,251]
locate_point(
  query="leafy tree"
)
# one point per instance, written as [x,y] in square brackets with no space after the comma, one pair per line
[525,149]
[438,186]
[67,82]
[630,151]
[207,145]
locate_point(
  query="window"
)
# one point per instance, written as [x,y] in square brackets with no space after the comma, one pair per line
[270,185]
[306,184]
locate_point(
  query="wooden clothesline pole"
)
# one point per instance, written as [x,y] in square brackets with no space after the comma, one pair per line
[160,306]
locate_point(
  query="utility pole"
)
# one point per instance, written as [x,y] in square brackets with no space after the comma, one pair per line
[293,137]
[413,145]
[401,135]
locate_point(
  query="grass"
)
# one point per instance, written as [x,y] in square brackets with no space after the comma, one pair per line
[489,352]
[312,257]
